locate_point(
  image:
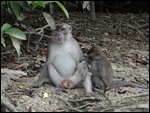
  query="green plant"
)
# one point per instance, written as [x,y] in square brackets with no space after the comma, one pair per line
[14,10]
[14,33]
[43,4]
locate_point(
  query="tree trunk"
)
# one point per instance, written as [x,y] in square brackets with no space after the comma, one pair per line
[92,10]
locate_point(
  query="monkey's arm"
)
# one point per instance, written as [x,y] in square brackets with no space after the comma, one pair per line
[80,73]
[88,86]
[117,84]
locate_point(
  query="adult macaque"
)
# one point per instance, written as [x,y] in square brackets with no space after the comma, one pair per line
[63,65]
[102,73]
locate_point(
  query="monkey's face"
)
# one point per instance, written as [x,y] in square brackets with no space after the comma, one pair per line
[94,53]
[61,33]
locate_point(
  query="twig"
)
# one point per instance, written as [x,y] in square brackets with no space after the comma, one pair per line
[9,52]
[101,92]
[38,34]
[87,98]
[139,27]
[7,105]
[75,109]
[145,106]
[83,106]
[139,95]
[118,96]
[41,28]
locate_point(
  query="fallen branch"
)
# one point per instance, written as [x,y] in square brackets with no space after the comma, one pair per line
[139,95]
[87,98]
[139,27]
[137,106]
[7,105]
[70,106]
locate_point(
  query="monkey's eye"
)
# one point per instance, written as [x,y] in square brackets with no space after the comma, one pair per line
[62,29]
[57,28]
[97,54]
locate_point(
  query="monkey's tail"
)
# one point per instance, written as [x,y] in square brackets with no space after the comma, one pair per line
[117,84]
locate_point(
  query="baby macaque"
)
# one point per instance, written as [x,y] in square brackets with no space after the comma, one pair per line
[102,73]
[63,65]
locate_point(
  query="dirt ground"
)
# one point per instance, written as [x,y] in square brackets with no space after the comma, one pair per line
[123,37]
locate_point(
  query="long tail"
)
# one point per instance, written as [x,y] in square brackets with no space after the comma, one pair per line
[126,84]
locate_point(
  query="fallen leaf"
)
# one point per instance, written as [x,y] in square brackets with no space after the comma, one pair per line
[106,34]
[21,87]
[45,95]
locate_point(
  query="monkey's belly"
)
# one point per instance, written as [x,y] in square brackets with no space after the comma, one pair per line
[65,65]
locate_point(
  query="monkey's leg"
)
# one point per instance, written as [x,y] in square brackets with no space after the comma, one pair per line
[80,73]
[56,78]
[97,82]
[41,79]
[88,86]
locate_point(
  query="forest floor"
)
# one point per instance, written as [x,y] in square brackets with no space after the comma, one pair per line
[123,37]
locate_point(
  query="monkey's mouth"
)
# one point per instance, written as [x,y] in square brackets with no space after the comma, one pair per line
[90,58]
[60,40]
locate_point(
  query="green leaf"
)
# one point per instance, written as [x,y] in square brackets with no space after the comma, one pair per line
[16,44]
[15,8]
[38,3]
[16,33]
[3,42]
[21,17]
[49,20]
[5,27]
[24,5]
[63,8]
[29,2]
[47,2]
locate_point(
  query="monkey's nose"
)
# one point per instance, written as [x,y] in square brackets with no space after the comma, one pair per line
[90,58]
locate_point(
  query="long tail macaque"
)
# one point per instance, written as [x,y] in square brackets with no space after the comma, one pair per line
[102,73]
[63,65]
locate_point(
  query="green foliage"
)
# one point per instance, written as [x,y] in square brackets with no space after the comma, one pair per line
[49,20]
[63,8]
[14,33]
[42,4]
[15,8]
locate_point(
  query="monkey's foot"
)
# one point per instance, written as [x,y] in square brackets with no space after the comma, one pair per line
[34,85]
[59,90]
[91,94]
